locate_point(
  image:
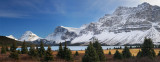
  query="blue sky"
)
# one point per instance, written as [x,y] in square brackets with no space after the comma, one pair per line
[42,16]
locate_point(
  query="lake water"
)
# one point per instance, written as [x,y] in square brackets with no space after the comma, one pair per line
[79,47]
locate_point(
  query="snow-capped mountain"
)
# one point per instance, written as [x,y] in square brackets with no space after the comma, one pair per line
[127,25]
[12,37]
[29,36]
[62,34]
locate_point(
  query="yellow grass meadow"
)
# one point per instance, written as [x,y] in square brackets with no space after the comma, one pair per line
[133,51]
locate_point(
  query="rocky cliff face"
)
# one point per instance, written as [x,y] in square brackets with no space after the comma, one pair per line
[127,25]
[62,34]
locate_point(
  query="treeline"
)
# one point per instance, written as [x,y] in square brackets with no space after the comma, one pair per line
[92,54]
[35,52]
[4,41]
[38,53]
[147,50]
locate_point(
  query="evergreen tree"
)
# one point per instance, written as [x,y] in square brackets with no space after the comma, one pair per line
[147,48]
[37,51]
[13,47]
[67,52]
[126,53]
[130,47]
[120,47]
[99,50]
[159,53]
[41,50]
[48,56]
[32,51]
[3,50]
[76,54]
[60,51]
[19,52]
[7,48]
[117,55]
[158,46]
[139,54]
[90,54]
[109,52]
[14,53]
[24,48]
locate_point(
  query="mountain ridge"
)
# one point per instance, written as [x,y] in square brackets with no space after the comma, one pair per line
[126,25]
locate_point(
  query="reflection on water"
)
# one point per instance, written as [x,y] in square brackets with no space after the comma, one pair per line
[80,47]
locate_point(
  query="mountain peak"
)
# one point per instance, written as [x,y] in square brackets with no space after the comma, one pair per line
[62,33]
[28,32]
[29,36]
[70,29]
[144,4]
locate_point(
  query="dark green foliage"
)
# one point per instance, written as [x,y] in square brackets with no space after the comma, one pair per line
[130,47]
[120,47]
[99,50]
[24,48]
[126,53]
[139,54]
[3,50]
[147,48]
[76,54]
[19,52]
[90,54]
[117,55]
[48,55]
[67,53]
[41,50]
[109,52]
[32,51]
[13,47]
[158,46]
[159,53]
[60,51]
[14,53]
[64,53]
[7,49]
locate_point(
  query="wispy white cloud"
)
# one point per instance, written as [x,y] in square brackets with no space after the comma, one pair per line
[59,8]
[25,8]
[7,14]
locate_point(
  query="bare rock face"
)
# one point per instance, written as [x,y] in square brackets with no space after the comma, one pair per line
[62,34]
[124,26]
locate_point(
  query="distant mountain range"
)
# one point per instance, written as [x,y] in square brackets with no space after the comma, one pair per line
[127,25]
